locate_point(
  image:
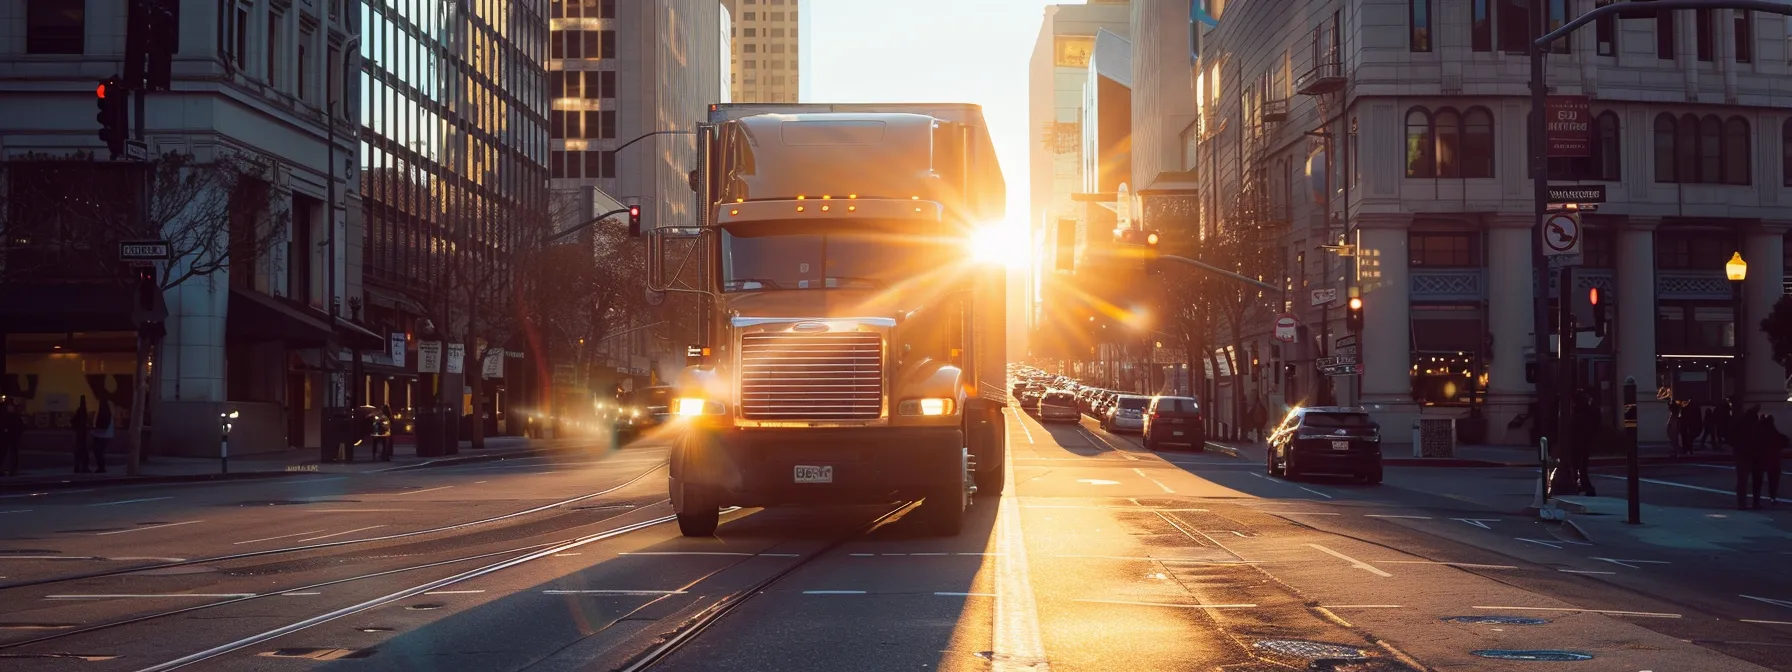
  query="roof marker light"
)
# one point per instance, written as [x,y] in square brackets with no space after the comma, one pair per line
[799,208]
[824,208]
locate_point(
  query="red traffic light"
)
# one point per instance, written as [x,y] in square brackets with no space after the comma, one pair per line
[100,90]
[634,211]
[1593,295]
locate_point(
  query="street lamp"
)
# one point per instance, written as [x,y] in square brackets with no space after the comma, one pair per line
[1736,270]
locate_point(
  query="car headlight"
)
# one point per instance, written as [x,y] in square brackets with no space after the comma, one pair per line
[927,406]
[696,406]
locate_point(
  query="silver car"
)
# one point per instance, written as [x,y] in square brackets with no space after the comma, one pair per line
[1059,406]
[1127,414]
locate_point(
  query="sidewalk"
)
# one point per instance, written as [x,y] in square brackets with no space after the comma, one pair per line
[1602,521]
[1400,455]
[53,470]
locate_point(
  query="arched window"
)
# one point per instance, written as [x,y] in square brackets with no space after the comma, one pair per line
[1686,148]
[1446,124]
[1421,160]
[1607,147]
[1477,143]
[1736,151]
[1667,152]
[1786,153]
[1711,149]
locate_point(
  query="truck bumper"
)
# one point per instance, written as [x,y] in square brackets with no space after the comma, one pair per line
[868,466]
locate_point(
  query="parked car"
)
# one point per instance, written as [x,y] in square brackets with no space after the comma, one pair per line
[1126,414]
[1029,400]
[1173,420]
[1085,400]
[1059,406]
[1326,439]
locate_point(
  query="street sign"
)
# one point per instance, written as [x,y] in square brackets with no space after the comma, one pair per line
[457,357]
[1561,234]
[397,342]
[145,250]
[1561,194]
[1345,341]
[1324,296]
[429,357]
[1345,351]
[1285,328]
[1337,361]
[136,150]
[1568,127]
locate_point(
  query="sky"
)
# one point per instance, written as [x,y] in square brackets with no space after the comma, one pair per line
[940,51]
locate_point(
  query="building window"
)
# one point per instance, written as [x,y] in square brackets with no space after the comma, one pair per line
[593,43]
[1711,146]
[1605,32]
[777,32]
[556,163]
[557,44]
[304,93]
[1439,249]
[1745,35]
[1477,143]
[606,9]
[273,49]
[1708,150]
[1598,247]
[606,84]
[1736,151]
[1514,18]
[1446,125]
[748,16]
[1786,154]
[749,48]
[751,32]
[1421,145]
[1664,35]
[55,26]
[1666,149]
[1419,13]
[1481,25]
[609,45]
[1704,29]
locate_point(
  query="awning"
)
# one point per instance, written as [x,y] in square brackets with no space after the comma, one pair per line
[261,318]
[358,338]
[391,299]
[63,308]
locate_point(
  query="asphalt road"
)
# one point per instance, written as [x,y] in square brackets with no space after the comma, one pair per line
[1100,556]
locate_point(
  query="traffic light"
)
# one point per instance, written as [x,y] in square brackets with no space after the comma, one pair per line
[634,221]
[1151,253]
[1353,316]
[115,126]
[1600,325]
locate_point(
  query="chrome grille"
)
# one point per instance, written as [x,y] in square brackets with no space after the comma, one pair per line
[829,376]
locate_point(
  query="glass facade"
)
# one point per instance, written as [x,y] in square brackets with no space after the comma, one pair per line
[454,139]
[582,89]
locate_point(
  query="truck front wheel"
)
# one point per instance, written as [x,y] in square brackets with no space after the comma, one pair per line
[990,445]
[699,514]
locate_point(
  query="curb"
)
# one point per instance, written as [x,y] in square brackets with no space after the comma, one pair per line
[60,482]
[1220,448]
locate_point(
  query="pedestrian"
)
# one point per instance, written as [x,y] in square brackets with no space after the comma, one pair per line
[1743,450]
[1258,417]
[1586,431]
[103,430]
[81,421]
[1692,424]
[382,434]
[1674,410]
[12,430]
[1768,457]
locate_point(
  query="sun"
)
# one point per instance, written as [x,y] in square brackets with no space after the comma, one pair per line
[1004,243]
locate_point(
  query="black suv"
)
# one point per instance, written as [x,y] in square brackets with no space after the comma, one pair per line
[1327,440]
[1173,420]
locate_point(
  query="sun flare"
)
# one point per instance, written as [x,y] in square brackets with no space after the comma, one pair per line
[1004,243]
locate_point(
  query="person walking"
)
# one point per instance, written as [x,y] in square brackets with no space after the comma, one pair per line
[1691,425]
[103,431]
[12,430]
[1674,410]
[81,421]
[1742,445]
[382,434]
[1769,453]
[1717,424]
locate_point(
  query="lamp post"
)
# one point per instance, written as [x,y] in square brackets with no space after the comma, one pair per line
[1736,270]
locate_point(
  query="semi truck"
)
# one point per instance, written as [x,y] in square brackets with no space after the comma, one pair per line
[854,347]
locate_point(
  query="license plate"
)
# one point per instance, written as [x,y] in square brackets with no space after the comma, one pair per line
[1340,445]
[1175,433]
[811,474]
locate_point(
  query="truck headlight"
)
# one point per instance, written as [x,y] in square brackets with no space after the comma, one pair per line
[696,406]
[927,406]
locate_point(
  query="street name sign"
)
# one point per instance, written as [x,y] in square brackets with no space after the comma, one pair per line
[1324,296]
[145,250]
[1563,194]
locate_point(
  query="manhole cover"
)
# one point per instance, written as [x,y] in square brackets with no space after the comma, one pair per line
[1547,656]
[1311,650]
[424,607]
[317,653]
[1496,620]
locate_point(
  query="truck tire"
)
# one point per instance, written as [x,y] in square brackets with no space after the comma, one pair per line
[942,511]
[991,448]
[700,514]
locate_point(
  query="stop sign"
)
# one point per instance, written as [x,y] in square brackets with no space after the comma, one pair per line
[1285,328]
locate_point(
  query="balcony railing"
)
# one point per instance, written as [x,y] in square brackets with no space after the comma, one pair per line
[1327,76]
[1274,111]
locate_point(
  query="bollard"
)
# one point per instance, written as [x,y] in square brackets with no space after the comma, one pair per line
[1633,478]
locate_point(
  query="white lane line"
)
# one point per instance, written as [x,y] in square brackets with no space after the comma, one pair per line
[612,592]
[1769,600]
[1363,606]
[562,555]
[1540,542]
[298,594]
[1383,515]
[1353,561]
[413,492]
[833,592]
[1316,492]
[1177,605]
[1672,484]
[283,536]
[1625,562]
[453,592]
[1478,522]
[18,511]
[1464,565]
[1751,620]
[931,554]
[864,555]
[52,557]
[147,527]
[946,594]
[1584,571]
[338,534]
[1301,513]
[1141,558]
[1016,644]
[1090,437]
[1608,612]
[1141,473]
[355,510]
[1023,425]
[143,596]
[131,501]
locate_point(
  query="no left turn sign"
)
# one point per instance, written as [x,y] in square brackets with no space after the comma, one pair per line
[1561,234]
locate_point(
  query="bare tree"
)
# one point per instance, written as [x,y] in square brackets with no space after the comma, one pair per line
[586,290]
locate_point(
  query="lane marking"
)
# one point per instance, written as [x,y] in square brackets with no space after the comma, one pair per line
[833,592]
[1363,606]
[562,555]
[338,534]
[1466,565]
[1769,600]
[1090,438]
[1316,492]
[1478,522]
[1540,542]
[612,592]
[1177,605]
[864,555]
[930,554]
[1751,620]
[454,592]
[1301,513]
[283,536]
[299,594]
[413,492]
[1353,561]
[131,501]
[1383,515]
[1141,558]
[1608,612]
[1584,571]
[1097,481]
[147,527]
[728,553]
[945,594]
[1658,481]
[53,557]
[143,595]
[1625,562]
[1021,424]
[1016,644]
[1141,473]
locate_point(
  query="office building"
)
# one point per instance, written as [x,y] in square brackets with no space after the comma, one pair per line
[768,50]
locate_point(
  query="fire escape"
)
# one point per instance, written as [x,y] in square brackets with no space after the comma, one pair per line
[1325,81]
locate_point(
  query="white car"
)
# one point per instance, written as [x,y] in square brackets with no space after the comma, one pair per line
[1127,414]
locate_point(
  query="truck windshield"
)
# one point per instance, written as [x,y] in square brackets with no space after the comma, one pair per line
[824,260]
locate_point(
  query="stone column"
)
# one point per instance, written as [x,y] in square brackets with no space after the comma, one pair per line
[1764,381]
[1386,343]
[1509,318]
[1634,324]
